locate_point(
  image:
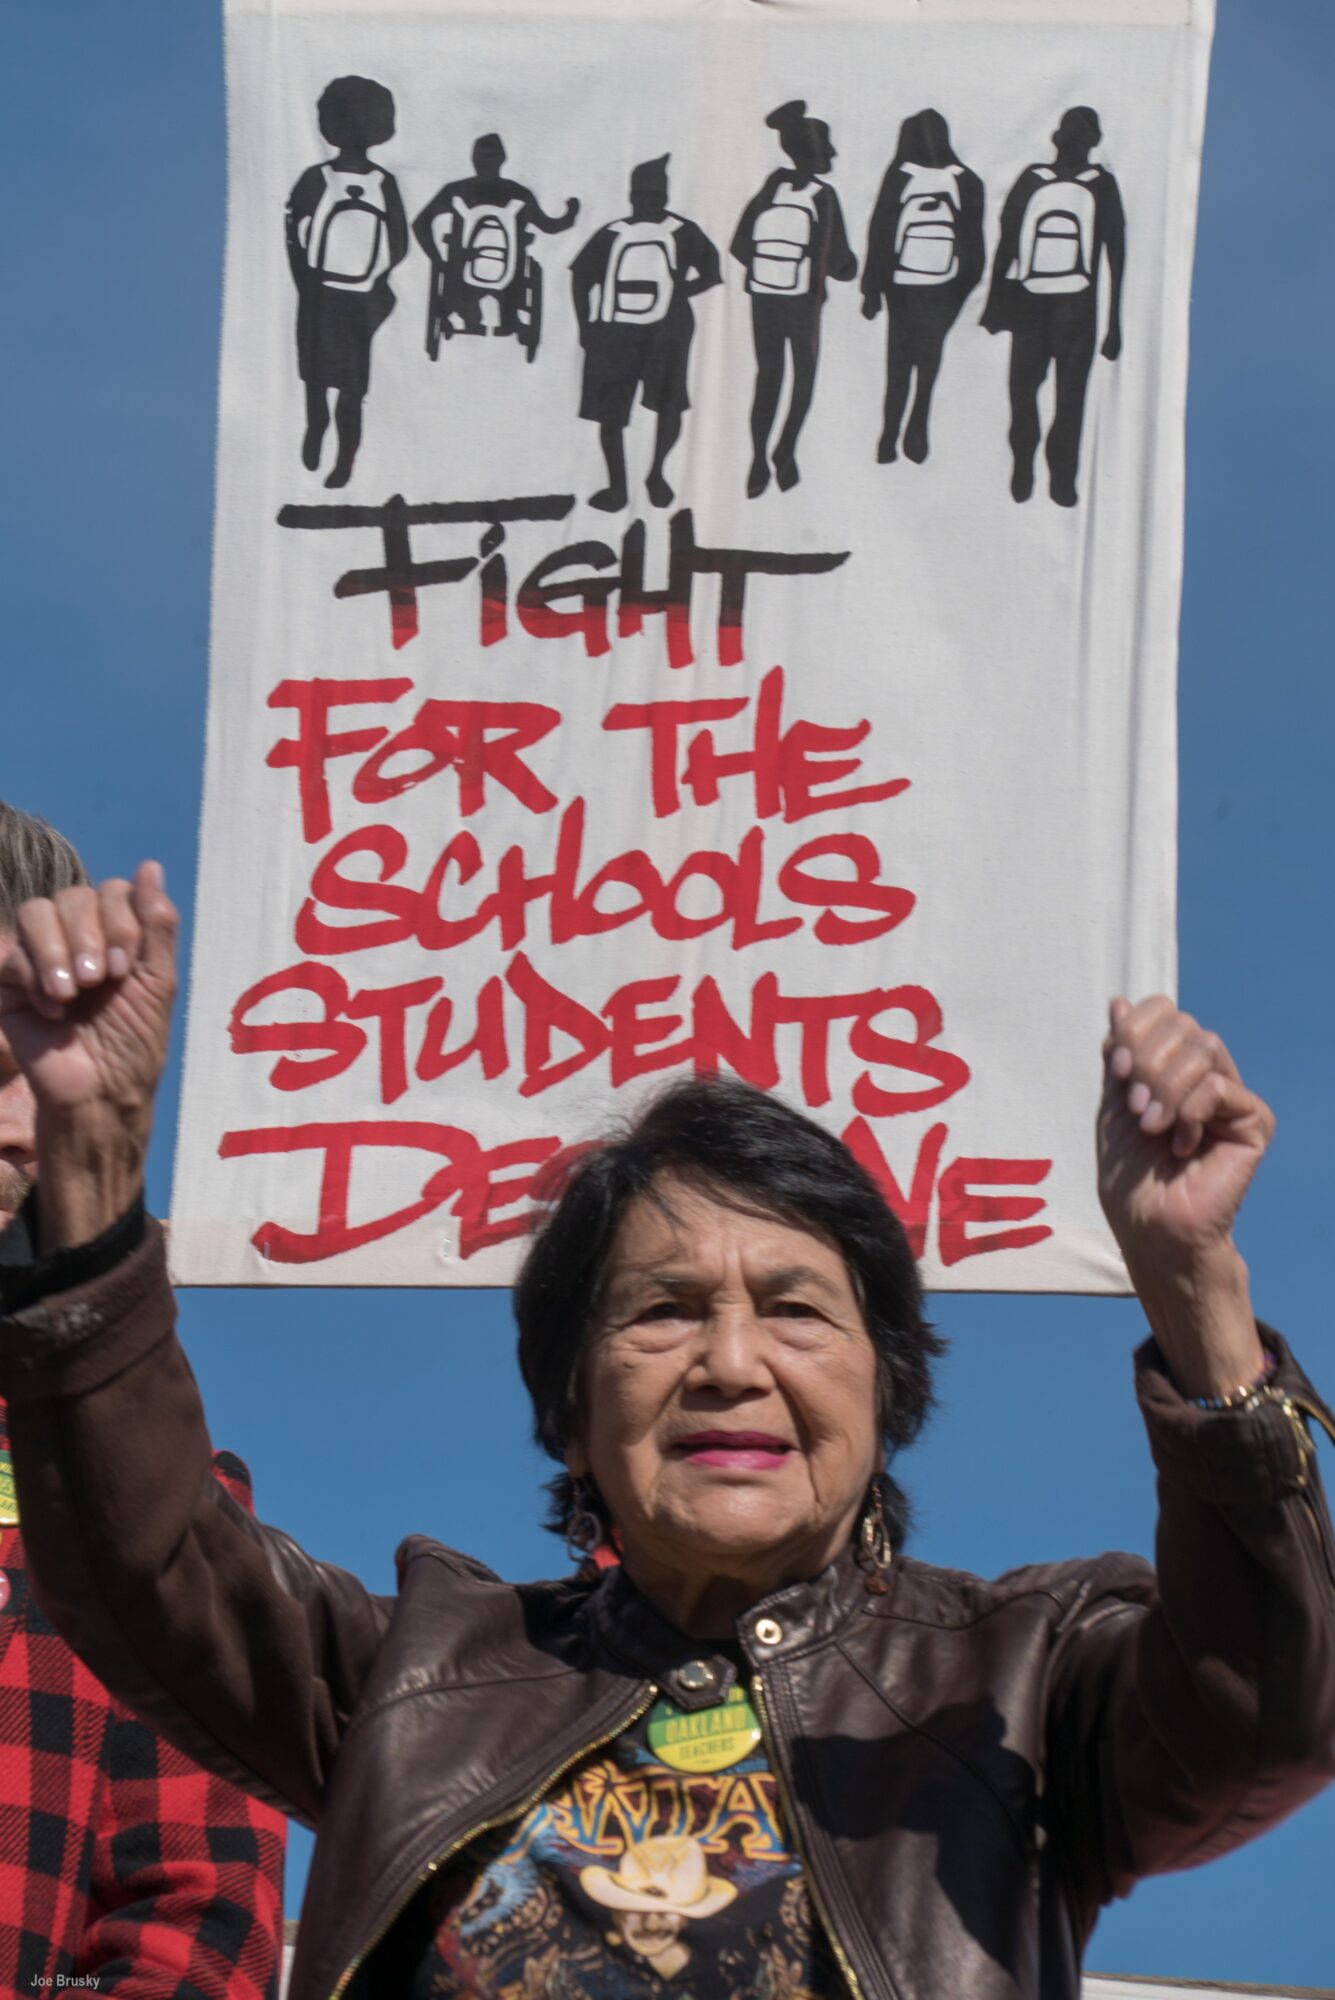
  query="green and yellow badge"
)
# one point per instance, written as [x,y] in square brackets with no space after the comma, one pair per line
[9,1499]
[706,1739]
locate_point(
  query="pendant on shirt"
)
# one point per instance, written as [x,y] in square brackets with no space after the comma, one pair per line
[704,1739]
[9,1499]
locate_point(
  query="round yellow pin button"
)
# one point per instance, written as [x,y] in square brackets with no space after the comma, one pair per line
[704,1739]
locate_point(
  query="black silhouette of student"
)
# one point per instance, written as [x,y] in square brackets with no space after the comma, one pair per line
[633,283]
[1060,222]
[791,239]
[346,230]
[477,233]
[925,254]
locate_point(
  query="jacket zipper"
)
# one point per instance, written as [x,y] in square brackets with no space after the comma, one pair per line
[486,1826]
[813,1887]
[1300,1402]
[1296,1407]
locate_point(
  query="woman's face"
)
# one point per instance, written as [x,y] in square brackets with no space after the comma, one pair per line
[729,1392]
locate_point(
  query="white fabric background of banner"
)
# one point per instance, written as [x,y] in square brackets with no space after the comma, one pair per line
[1017,664]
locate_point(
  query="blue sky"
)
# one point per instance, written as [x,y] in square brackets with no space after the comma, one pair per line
[369,1415]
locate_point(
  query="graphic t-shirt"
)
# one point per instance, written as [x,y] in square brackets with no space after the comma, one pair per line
[636,1877]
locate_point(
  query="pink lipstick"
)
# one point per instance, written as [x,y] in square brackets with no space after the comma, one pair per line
[740,1451]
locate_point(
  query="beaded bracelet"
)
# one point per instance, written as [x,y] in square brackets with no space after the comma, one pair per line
[1245,1394]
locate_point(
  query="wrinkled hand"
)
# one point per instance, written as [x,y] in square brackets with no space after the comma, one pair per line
[1179,1139]
[1179,1136]
[86,998]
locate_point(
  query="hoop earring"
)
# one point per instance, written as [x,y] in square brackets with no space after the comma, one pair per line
[875,1553]
[584,1529]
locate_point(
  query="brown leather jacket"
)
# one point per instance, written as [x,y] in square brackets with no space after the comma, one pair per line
[970,1769]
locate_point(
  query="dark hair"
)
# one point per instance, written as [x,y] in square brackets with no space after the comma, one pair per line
[756,1153]
[802,138]
[924,141]
[35,860]
[356,111]
[1079,126]
[650,177]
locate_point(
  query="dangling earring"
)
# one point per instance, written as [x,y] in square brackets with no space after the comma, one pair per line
[584,1529]
[875,1554]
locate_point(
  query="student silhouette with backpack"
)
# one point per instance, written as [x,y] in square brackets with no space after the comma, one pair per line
[925,254]
[477,233]
[1061,222]
[346,230]
[791,240]
[633,283]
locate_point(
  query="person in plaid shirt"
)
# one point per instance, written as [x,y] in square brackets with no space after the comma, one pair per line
[124,1868]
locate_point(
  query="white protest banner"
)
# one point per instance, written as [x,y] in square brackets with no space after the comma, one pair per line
[698,552]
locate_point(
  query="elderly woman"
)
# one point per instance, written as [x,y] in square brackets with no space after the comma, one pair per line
[750,1750]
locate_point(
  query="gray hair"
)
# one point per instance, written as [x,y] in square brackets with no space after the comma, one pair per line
[35,860]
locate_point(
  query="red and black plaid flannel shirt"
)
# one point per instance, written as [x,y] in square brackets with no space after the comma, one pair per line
[122,1864]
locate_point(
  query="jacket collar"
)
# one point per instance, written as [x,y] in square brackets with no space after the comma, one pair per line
[697,1672]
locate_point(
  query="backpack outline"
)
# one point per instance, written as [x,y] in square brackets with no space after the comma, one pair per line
[630,237]
[344,195]
[473,219]
[801,264]
[930,212]
[1060,221]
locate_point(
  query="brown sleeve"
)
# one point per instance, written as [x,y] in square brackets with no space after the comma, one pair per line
[222,1633]
[1193,1707]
